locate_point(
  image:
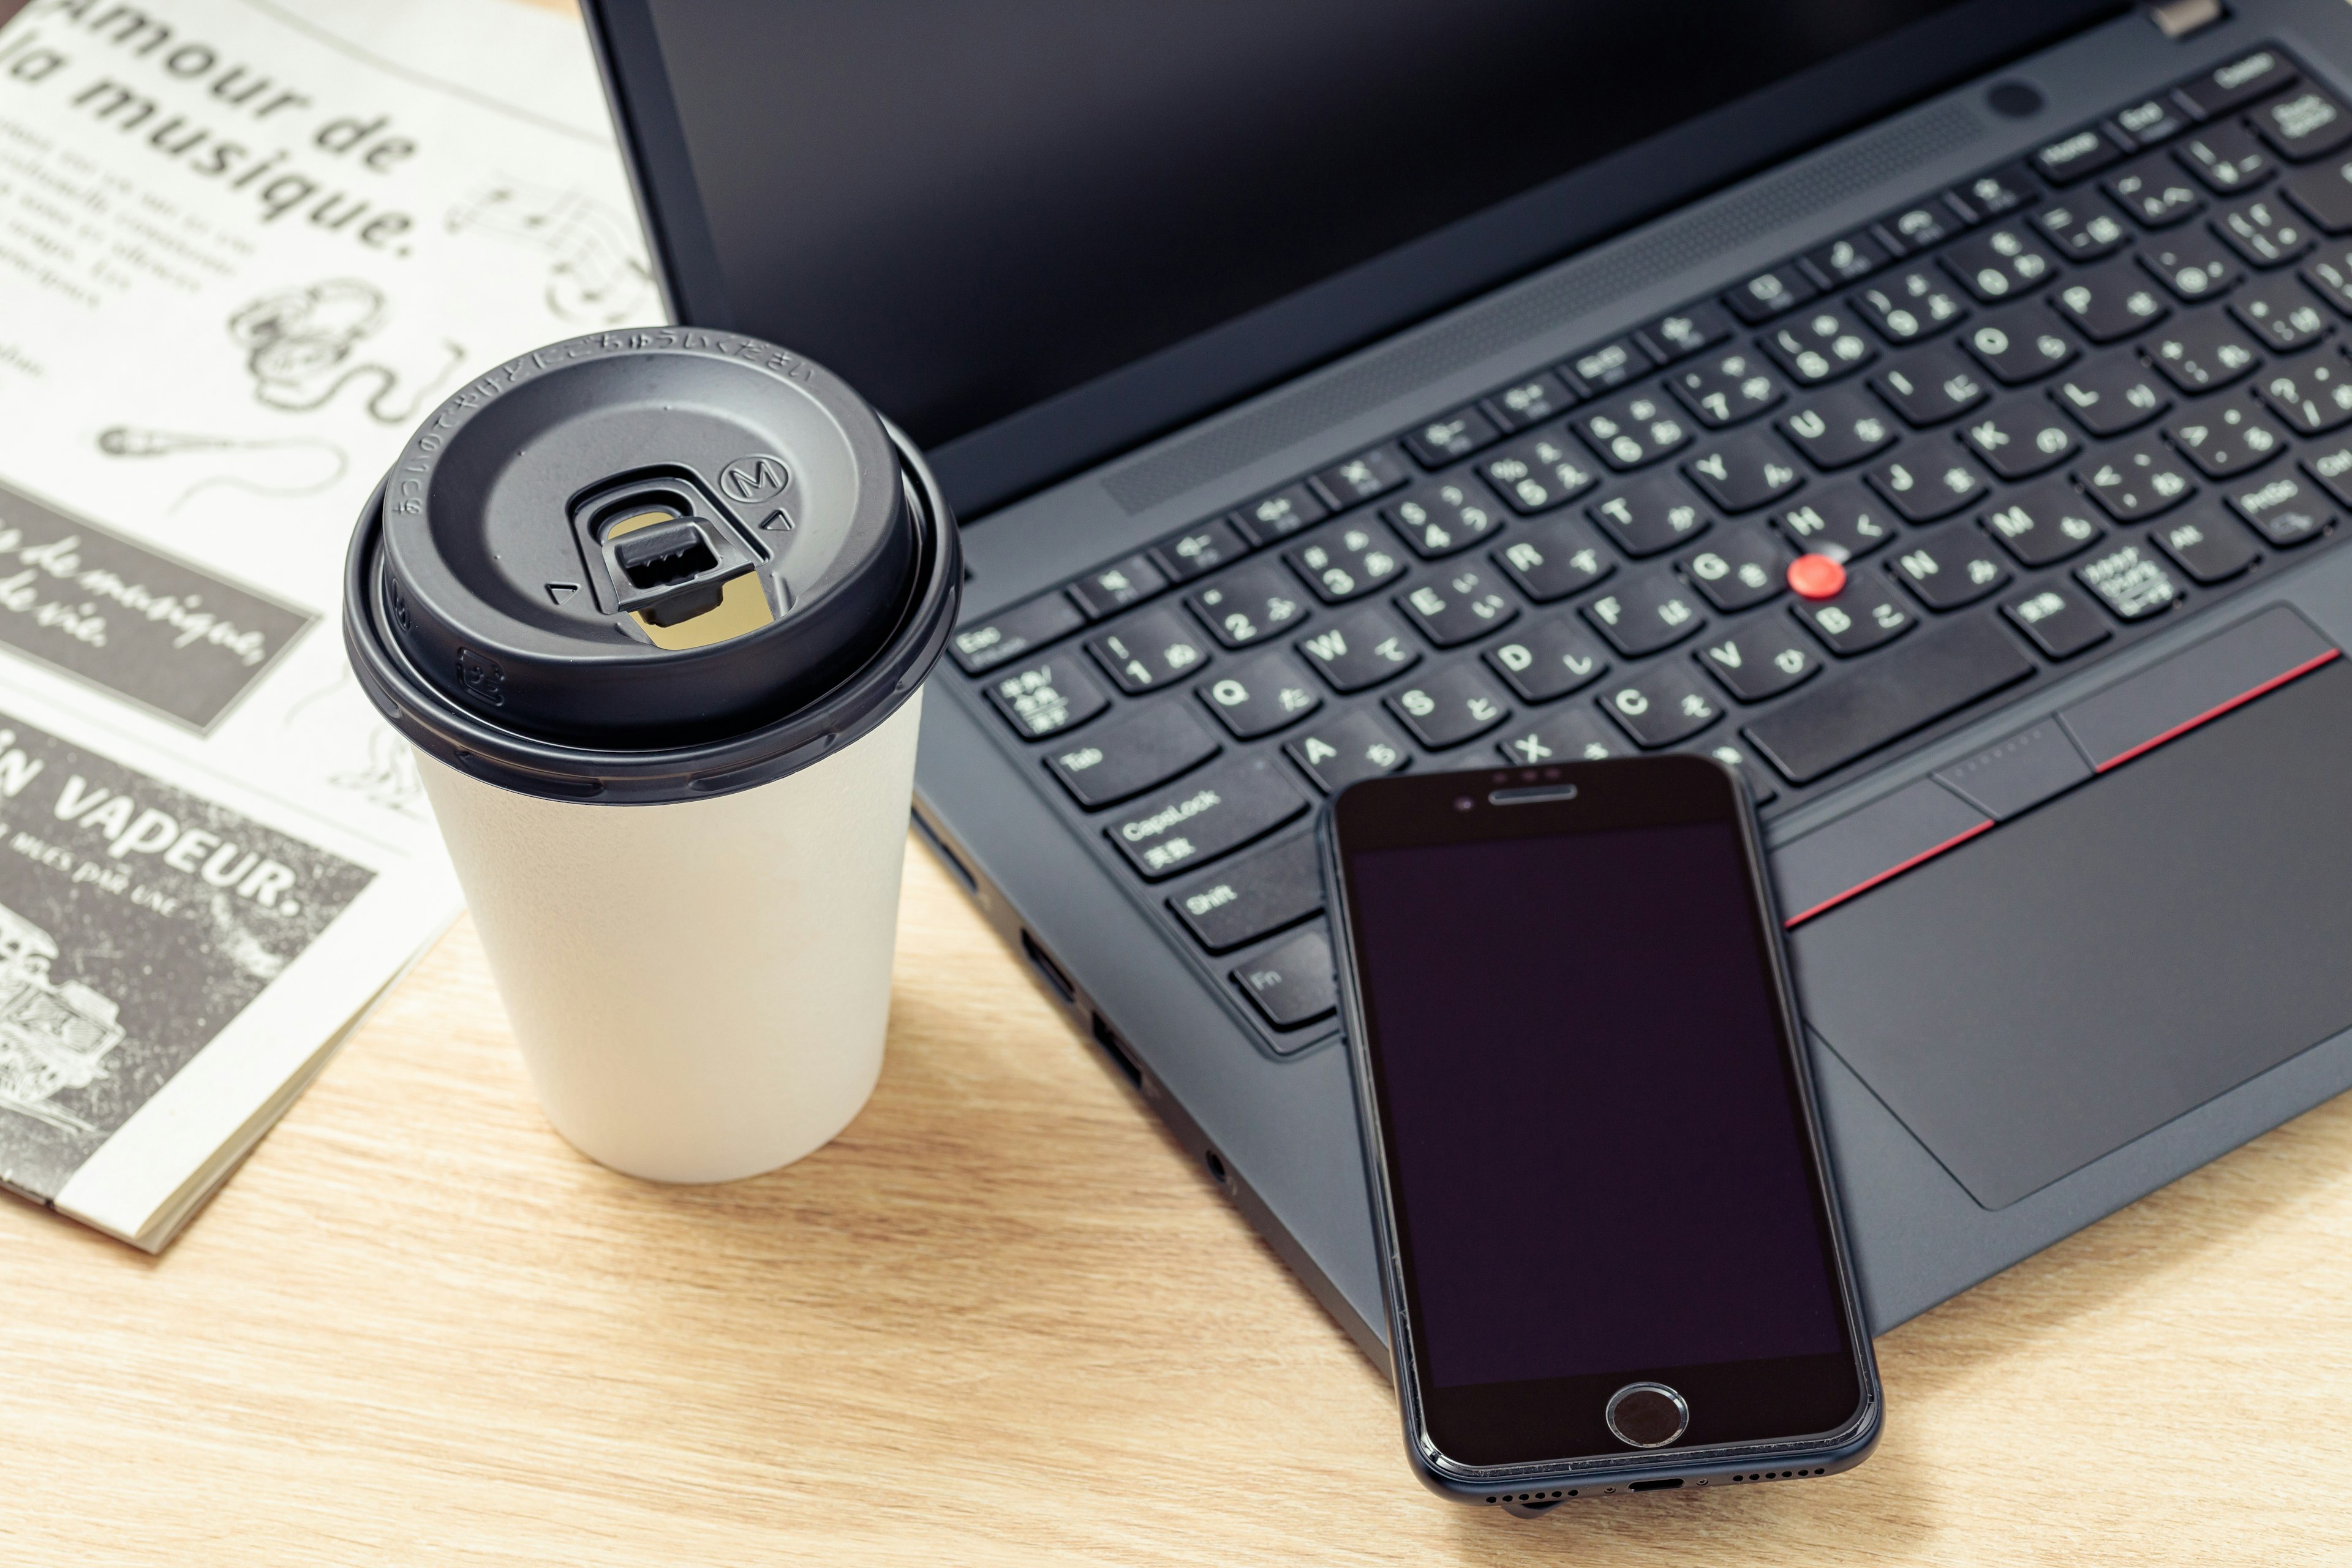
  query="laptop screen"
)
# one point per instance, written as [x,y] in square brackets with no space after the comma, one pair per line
[1000,215]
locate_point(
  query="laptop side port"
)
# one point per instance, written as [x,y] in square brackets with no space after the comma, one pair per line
[1044,963]
[1107,1039]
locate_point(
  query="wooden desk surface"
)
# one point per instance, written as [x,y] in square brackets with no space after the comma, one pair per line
[1003,1318]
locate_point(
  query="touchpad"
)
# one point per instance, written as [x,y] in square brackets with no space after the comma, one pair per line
[2050,991]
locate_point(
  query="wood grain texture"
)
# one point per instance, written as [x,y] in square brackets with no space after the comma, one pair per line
[1005,1319]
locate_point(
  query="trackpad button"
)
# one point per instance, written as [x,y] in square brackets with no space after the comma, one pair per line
[2045,993]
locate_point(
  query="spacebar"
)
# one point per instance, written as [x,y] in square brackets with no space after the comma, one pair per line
[1886,697]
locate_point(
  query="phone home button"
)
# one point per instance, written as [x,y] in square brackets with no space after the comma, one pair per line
[1647,1415]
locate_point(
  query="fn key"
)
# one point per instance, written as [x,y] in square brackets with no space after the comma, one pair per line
[1293,983]
[1879,701]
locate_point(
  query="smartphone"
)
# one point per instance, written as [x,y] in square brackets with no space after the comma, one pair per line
[1612,1251]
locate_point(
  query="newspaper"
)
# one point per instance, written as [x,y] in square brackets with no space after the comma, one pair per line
[243,247]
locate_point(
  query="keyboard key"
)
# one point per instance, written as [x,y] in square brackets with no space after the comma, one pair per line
[2282,314]
[1205,548]
[1931,385]
[1209,813]
[1924,484]
[1138,753]
[1338,752]
[2282,509]
[1928,225]
[1046,697]
[2075,156]
[2021,344]
[1538,472]
[2130,582]
[1457,703]
[2323,194]
[1613,365]
[1865,616]
[2265,231]
[1818,345]
[1743,567]
[2304,124]
[2151,120]
[2059,621]
[2226,438]
[2155,190]
[1910,305]
[1347,560]
[2000,262]
[1844,523]
[1745,472]
[2201,352]
[2226,158]
[1008,634]
[2083,227]
[1443,518]
[2255,74]
[2333,469]
[1253,895]
[1539,397]
[1260,696]
[2137,480]
[1554,559]
[1362,650]
[2045,524]
[2208,545]
[1949,568]
[1362,477]
[1113,588]
[1768,294]
[1683,333]
[1653,514]
[1759,782]
[1880,701]
[1630,431]
[1572,734]
[1149,651]
[1762,659]
[2111,300]
[1664,705]
[1549,658]
[1725,388]
[1645,614]
[1460,605]
[2111,395]
[1294,985]
[2313,395]
[1855,257]
[2019,439]
[1279,515]
[1838,428]
[1456,434]
[2193,264]
[1249,606]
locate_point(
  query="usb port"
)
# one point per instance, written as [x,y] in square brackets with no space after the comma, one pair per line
[1107,1039]
[1047,967]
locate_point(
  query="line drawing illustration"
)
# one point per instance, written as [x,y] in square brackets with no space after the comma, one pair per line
[272,473]
[52,1036]
[384,774]
[301,348]
[595,274]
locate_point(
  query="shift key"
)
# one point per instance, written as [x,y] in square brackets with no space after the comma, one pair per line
[1219,810]
[1879,700]
[1252,895]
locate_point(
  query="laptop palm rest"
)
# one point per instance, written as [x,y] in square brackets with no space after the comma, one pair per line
[2043,995]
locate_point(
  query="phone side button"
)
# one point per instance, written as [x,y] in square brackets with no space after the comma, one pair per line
[1292,984]
[1874,845]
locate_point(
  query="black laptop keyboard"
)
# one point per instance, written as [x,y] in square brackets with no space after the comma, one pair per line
[2009,428]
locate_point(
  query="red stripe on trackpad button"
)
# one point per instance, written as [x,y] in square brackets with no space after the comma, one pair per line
[2202,681]
[1860,850]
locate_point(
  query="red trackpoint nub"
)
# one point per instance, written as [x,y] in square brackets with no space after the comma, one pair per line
[1816,577]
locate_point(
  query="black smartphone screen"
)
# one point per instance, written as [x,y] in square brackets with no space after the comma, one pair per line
[1597,1153]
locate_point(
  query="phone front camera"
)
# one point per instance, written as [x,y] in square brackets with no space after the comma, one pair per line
[1463,803]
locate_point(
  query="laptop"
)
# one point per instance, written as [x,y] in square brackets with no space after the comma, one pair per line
[1937,410]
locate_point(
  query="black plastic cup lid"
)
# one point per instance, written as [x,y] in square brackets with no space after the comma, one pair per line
[649,565]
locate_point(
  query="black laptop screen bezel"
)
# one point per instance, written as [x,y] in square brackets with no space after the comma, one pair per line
[1080,426]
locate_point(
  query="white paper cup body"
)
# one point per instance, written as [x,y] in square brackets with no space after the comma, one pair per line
[700,989]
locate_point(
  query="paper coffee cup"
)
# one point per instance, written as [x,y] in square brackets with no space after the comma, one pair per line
[655,608]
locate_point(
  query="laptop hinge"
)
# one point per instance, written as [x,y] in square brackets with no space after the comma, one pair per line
[2177,19]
